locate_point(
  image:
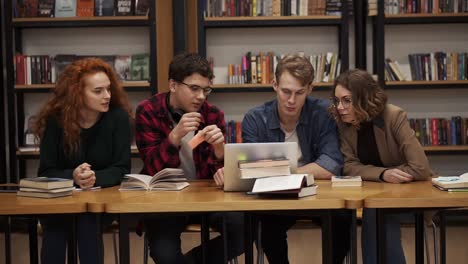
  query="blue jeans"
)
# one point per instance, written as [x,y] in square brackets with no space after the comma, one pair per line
[395,254]
[275,239]
[56,231]
[163,234]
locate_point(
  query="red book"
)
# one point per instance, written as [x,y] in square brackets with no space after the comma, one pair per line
[435,131]
[20,76]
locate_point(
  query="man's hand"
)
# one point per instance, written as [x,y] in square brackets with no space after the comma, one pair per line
[214,136]
[219,177]
[188,123]
[83,176]
[397,176]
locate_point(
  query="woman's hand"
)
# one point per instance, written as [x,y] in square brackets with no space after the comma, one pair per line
[397,176]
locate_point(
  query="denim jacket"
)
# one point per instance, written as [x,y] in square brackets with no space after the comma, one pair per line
[316,130]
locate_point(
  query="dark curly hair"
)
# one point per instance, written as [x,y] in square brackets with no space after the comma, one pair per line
[186,64]
[368,98]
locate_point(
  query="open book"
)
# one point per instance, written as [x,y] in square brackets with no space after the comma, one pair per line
[447,183]
[168,179]
[294,185]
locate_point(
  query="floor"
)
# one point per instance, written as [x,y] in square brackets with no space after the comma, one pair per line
[304,246]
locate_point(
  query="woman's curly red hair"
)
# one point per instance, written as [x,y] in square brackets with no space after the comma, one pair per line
[68,99]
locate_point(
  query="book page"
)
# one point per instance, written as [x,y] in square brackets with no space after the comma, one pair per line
[165,174]
[278,183]
[145,179]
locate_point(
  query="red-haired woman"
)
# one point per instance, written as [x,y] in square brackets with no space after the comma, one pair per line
[84,133]
[378,144]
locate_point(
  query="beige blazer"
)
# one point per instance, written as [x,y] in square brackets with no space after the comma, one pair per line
[397,144]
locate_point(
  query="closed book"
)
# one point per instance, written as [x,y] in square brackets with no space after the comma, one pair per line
[451,181]
[44,195]
[252,173]
[296,193]
[263,163]
[58,190]
[282,183]
[65,8]
[346,181]
[46,183]
[168,179]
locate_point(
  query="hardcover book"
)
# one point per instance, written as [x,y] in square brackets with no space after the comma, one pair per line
[296,185]
[85,8]
[122,64]
[168,179]
[124,7]
[140,67]
[103,7]
[65,8]
[44,194]
[46,183]
[46,8]
[346,181]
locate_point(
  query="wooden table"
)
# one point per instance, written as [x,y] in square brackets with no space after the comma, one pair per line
[205,197]
[415,197]
[13,205]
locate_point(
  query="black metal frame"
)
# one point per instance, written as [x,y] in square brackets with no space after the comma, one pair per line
[13,44]
[341,23]
[3,160]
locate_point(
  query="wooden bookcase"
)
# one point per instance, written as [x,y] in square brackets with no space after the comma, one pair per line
[266,23]
[15,28]
[379,24]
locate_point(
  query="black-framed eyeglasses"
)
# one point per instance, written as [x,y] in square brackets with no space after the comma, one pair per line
[345,102]
[196,89]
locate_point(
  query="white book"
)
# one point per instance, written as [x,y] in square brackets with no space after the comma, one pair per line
[168,179]
[346,181]
[447,182]
[282,183]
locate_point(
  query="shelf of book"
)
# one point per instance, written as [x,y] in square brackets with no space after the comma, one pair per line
[441,18]
[446,149]
[271,21]
[133,86]
[61,22]
[426,84]
[258,87]
[33,152]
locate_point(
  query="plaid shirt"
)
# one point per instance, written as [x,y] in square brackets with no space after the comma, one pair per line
[153,125]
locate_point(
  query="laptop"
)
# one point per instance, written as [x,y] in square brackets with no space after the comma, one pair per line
[233,153]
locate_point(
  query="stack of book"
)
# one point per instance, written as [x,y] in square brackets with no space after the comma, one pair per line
[290,186]
[264,168]
[43,187]
[451,183]
[346,181]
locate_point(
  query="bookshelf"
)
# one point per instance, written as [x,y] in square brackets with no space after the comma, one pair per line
[23,33]
[267,24]
[383,25]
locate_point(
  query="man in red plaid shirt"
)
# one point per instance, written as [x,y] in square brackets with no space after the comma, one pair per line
[165,123]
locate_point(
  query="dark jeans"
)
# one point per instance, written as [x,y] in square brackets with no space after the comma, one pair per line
[274,236]
[56,231]
[164,232]
[395,254]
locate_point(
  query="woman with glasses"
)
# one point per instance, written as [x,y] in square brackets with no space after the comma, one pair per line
[378,144]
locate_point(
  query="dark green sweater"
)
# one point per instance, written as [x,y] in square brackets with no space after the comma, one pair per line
[105,146]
